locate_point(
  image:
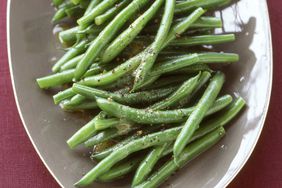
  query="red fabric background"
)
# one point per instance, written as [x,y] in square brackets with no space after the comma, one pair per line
[20,166]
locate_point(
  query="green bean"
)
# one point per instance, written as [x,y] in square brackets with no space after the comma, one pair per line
[204,22]
[174,64]
[99,9]
[151,53]
[101,155]
[55,79]
[130,98]
[71,63]
[147,164]
[191,69]
[203,40]
[190,5]
[64,77]
[106,36]
[76,100]
[86,105]
[110,134]
[202,107]
[188,154]
[187,60]
[113,75]
[205,76]
[207,22]
[62,95]
[167,81]
[118,171]
[127,36]
[183,91]
[103,124]
[91,6]
[59,15]
[68,36]
[147,116]
[84,133]
[213,57]
[72,52]
[111,13]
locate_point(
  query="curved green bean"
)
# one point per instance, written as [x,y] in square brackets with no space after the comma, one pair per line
[62,95]
[202,107]
[183,91]
[129,98]
[146,166]
[147,116]
[151,53]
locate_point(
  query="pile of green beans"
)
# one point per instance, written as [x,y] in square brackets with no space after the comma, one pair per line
[132,65]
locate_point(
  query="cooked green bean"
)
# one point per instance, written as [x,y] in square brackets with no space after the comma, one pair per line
[101,155]
[111,13]
[106,36]
[147,116]
[203,40]
[130,33]
[183,91]
[151,53]
[204,78]
[72,52]
[110,134]
[97,10]
[179,62]
[71,63]
[202,107]
[118,171]
[91,6]
[55,79]
[85,105]
[130,98]
[84,133]
[68,36]
[202,23]
[146,166]
[62,95]
[103,124]
[65,77]
[192,151]
[190,5]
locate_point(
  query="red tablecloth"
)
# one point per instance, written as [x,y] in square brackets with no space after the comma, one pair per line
[20,166]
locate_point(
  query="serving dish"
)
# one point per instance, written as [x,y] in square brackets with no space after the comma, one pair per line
[32,51]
